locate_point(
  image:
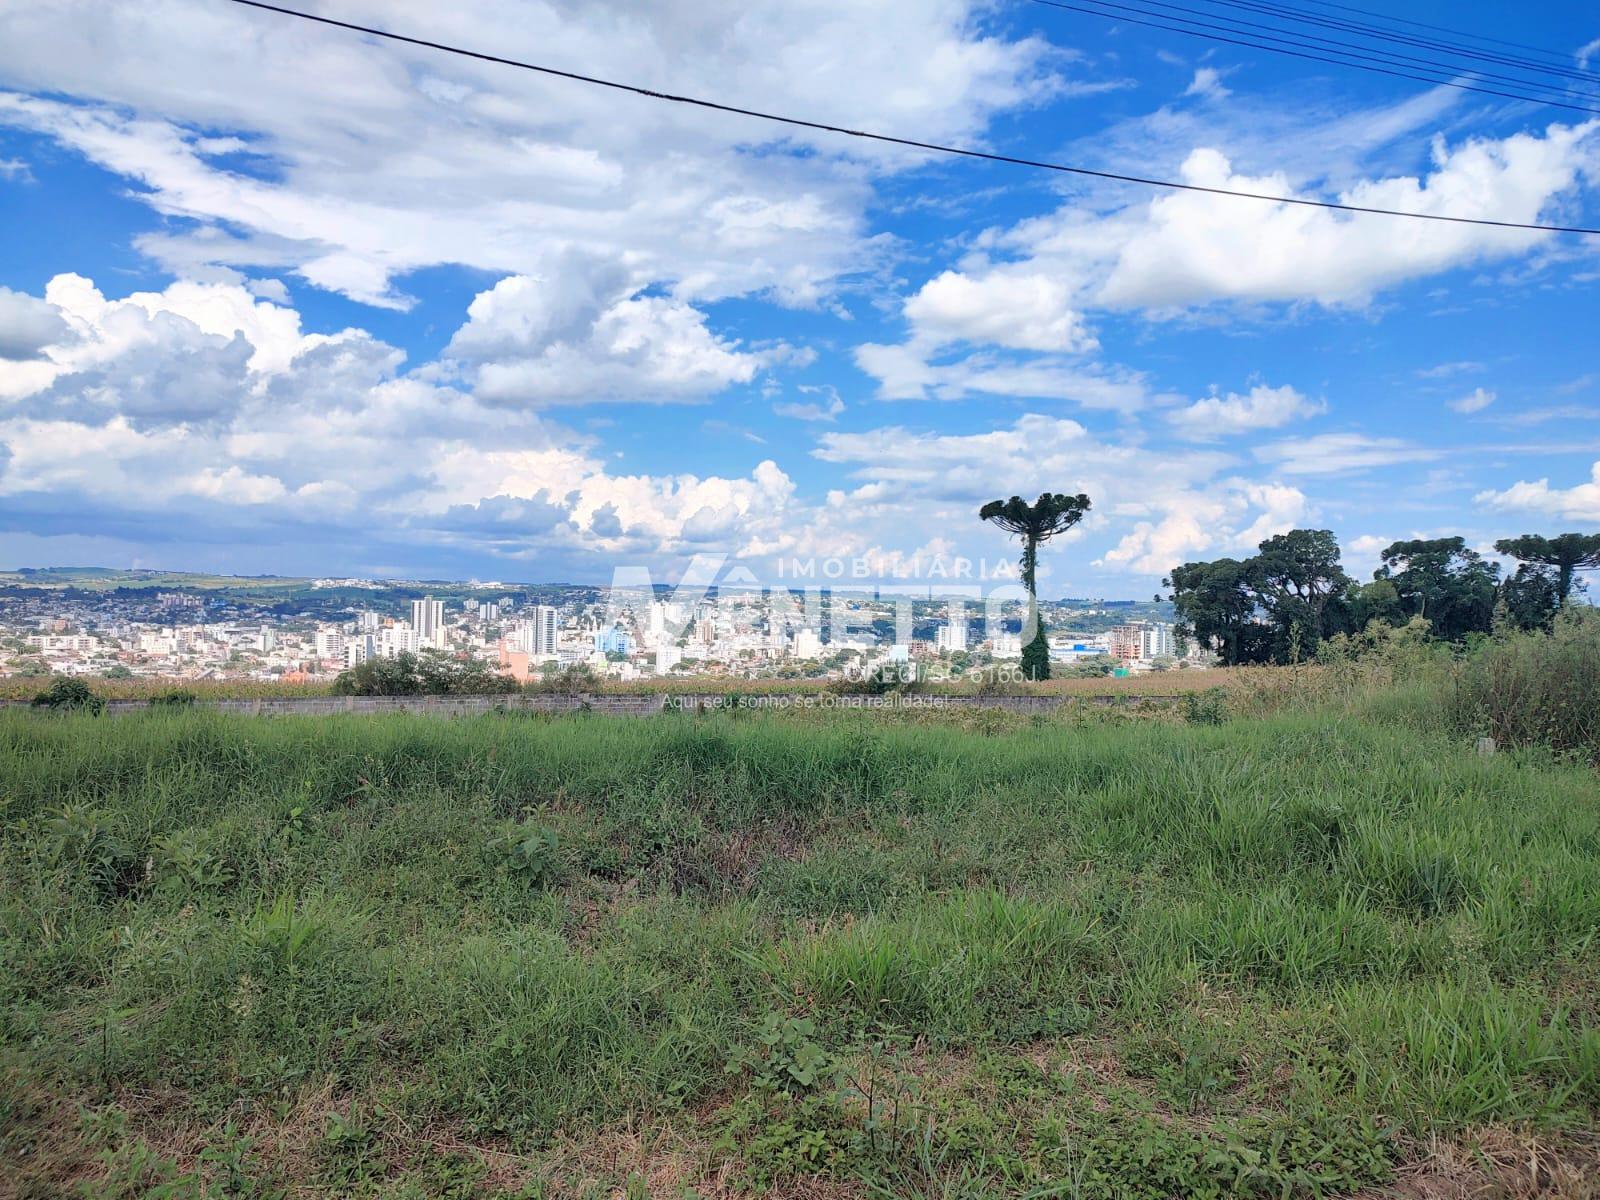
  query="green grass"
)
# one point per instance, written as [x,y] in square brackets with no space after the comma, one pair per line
[415,957]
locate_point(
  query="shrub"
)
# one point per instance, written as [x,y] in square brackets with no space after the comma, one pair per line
[427,674]
[574,680]
[68,694]
[879,680]
[1378,656]
[1537,688]
[1209,707]
[176,698]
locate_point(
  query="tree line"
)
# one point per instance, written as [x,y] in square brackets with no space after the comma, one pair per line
[1279,604]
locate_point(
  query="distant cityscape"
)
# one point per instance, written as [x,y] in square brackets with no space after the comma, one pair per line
[243,630]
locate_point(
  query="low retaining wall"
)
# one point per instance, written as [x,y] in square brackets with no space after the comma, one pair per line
[612,704]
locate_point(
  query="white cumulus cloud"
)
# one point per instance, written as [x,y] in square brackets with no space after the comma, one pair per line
[1581,502]
[350,161]
[1262,407]
[1018,310]
[578,335]
[27,325]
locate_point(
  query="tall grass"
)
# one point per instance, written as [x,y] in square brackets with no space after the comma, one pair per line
[1537,688]
[534,932]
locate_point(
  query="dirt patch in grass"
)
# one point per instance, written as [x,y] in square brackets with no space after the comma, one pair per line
[43,1153]
[1499,1164]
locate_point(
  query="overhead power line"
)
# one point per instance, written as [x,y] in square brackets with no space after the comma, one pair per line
[890,139]
[1356,49]
[1261,42]
[1477,37]
[1380,33]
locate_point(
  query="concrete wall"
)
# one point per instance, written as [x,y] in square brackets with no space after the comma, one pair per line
[611,704]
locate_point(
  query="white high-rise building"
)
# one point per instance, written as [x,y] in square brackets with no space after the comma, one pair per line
[659,623]
[547,624]
[368,622]
[151,642]
[536,636]
[427,618]
[1142,640]
[330,644]
[358,649]
[395,640]
[807,644]
[667,656]
[1156,641]
[951,637]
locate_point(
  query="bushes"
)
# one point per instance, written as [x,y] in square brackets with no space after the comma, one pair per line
[575,680]
[1536,688]
[1205,708]
[881,679]
[427,674]
[68,695]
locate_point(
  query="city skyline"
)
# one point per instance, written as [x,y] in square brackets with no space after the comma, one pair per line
[610,634]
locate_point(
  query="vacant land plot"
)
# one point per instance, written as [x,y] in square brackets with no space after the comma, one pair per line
[1149,683]
[1303,955]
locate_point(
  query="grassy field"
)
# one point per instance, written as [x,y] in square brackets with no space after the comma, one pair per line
[1320,953]
[1151,683]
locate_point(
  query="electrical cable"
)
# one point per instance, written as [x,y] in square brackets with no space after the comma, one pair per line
[890,139]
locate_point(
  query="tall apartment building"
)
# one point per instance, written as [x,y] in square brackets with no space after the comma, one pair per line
[360,648]
[613,641]
[807,644]
[427,618]
[1142,640]
[395,640]
[536,635]
[1006,645]
[329,644]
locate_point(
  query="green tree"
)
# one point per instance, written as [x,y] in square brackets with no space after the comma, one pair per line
[1441,581]
[395,676]
[443,674]
[1052,513]
[1275,605]
[1215,606]
[1376,601]
[430,673]
[1567,553]
[1296,576]
[1529,599]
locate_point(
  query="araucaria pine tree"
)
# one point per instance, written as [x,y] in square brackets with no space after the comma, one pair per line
[1051,514]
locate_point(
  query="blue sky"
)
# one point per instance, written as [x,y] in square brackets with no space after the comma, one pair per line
[278,298]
